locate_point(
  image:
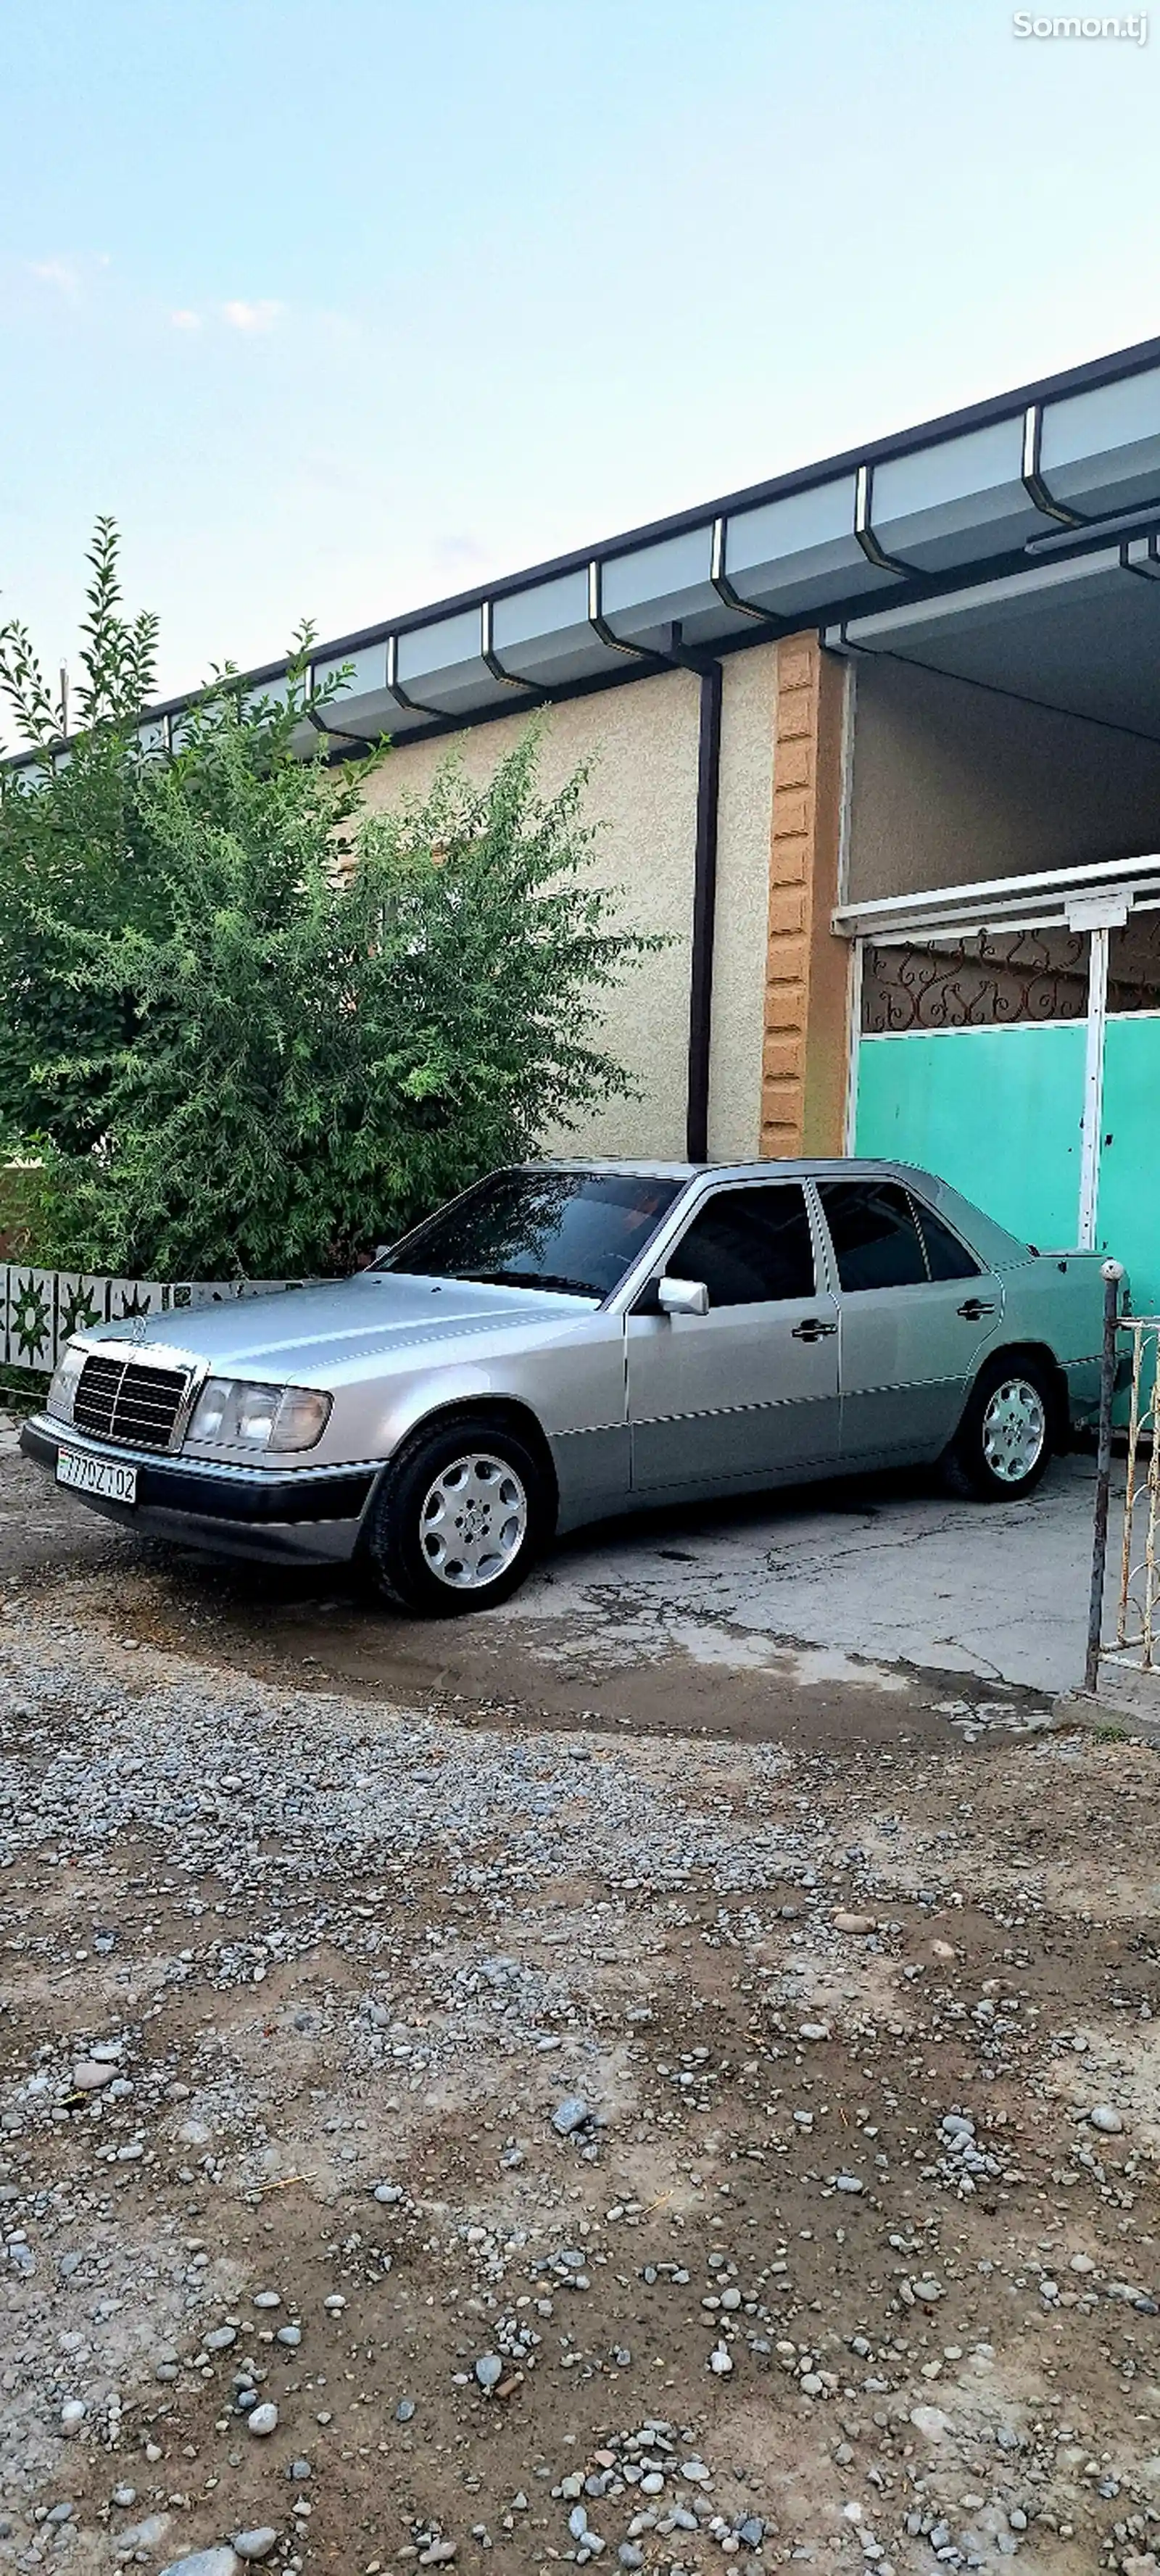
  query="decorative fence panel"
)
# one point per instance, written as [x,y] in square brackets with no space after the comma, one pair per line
[41,1309]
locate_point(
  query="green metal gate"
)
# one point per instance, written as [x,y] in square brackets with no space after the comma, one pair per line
[1128,1205]
[1020,1057]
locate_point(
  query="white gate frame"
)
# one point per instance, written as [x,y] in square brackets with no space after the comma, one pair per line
[1092,900]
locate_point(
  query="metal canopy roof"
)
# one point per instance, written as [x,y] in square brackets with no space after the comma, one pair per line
[889,541]
[1045,899]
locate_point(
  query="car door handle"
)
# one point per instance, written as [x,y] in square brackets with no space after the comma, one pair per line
[812,1329]
[974,1308]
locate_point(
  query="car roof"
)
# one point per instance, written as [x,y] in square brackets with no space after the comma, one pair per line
[993,1242]
[841,1165]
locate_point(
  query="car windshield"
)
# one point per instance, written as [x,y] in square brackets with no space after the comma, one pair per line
[575,1232]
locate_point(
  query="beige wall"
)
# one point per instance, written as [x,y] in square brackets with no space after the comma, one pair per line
[952,783]
[748,709]
[642,741]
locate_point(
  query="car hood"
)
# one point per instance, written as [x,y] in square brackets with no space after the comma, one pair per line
[296,1333]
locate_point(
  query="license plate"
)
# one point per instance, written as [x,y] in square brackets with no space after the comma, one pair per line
[96,1476]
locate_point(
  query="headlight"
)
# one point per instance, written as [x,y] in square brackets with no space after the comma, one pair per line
[66,1379]
[301,1418]
[234,1414]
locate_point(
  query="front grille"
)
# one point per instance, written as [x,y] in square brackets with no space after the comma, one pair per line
[129,1401]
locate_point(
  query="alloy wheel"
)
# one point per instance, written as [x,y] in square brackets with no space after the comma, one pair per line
[473,1522]
[1014,1430]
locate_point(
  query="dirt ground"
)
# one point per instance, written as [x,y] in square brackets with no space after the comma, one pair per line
[636,2111]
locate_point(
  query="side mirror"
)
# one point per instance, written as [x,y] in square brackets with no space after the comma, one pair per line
[682,1297]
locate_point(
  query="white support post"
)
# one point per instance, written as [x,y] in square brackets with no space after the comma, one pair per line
[1093,1087]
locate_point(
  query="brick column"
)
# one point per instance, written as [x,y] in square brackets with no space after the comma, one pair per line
[803,1083]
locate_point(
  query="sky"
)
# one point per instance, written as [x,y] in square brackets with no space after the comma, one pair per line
[340,309]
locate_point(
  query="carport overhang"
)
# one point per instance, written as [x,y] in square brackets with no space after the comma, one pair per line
[1079,635]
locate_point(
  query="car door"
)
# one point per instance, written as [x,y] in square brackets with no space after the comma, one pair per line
[748,1391]
[917,1314]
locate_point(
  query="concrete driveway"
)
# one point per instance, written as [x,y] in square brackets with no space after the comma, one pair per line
[852,1612]
[886,1571]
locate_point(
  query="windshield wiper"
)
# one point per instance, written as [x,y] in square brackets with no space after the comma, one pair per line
[546,1279]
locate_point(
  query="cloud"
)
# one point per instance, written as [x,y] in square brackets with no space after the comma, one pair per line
[184,320]
[60,273]
[261,316]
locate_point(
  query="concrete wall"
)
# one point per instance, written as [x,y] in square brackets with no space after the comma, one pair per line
[952,783]
[642,741]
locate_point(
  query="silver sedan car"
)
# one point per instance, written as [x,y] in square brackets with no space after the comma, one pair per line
[569,1340]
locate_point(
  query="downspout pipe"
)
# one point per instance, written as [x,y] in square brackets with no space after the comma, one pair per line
[704,912]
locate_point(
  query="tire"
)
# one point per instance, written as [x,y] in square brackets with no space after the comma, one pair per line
[1003,1443]
[457,1521]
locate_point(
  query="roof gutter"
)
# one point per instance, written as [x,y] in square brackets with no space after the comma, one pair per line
[1025,405]
[1033,483]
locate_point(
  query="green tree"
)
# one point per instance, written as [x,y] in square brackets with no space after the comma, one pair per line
[69,854]
[253,1027]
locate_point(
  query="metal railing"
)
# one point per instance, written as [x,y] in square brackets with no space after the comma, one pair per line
[1137,1629]
[1138,1609]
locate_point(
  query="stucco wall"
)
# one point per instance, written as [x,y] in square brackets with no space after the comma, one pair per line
[952,783]
[642,741]
[745,804]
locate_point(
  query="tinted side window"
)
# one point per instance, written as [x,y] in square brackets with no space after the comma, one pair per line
[748,1246]
[946,1256]
[872,1229]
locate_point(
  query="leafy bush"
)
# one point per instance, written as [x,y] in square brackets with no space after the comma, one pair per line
[250,1028]
[69,858]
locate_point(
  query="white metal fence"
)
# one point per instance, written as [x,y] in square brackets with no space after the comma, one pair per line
[42,1308]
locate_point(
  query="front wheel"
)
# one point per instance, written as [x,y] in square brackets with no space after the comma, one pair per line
[1003,1442]
[457,1520]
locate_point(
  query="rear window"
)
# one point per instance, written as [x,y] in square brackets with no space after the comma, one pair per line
[948,1258]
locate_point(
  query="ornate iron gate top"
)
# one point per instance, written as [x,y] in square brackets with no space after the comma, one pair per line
[987,979]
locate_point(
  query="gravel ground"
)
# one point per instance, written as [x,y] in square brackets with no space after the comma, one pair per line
[432,2131]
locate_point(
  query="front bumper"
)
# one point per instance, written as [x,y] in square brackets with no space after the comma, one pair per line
[313,1513]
